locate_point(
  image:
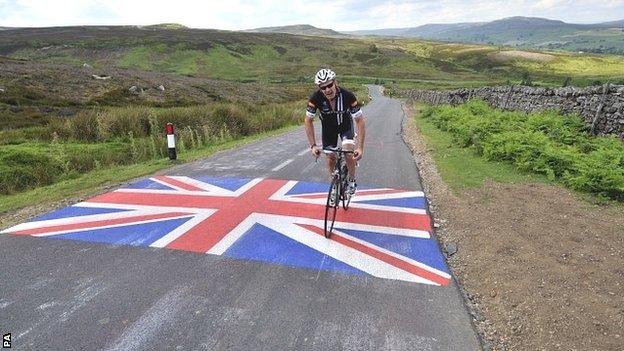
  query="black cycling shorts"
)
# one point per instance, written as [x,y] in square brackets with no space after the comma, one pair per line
[331,132]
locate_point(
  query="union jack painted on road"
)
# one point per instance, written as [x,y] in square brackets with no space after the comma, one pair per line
[384,233]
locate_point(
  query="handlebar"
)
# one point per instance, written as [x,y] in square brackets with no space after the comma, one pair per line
[329,150]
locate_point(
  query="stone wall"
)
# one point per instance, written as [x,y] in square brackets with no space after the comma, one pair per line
[602,107]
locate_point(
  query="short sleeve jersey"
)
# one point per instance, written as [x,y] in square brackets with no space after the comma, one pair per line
[346,107]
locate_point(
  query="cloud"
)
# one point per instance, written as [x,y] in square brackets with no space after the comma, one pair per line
[335,14]
[548,4]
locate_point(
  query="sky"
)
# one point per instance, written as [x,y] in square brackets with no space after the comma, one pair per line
[342,15]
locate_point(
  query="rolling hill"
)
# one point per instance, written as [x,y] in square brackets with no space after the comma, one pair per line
[298,29]
[272,59]
[525,32]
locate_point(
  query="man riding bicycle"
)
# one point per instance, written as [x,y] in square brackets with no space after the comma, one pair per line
[340,115]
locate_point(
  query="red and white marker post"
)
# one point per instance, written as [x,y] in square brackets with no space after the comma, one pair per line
[171,141]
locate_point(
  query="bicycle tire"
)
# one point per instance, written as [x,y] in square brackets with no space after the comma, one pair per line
[330,211]
[346,199]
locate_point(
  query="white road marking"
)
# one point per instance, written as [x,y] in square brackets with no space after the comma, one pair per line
[282,165]
[303,152]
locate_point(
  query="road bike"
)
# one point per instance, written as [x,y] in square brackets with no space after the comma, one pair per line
[337,189]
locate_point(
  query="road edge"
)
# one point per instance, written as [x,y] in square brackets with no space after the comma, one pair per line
[464,295]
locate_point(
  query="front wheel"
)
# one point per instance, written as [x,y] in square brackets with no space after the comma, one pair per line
[345,197]
[332,206]
[346,200]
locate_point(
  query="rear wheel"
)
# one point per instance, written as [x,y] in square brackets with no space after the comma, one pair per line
[332,208]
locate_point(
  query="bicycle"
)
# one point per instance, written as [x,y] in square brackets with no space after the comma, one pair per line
[338,187]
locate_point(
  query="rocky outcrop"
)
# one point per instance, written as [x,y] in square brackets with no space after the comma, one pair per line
[602,107]
[135,90]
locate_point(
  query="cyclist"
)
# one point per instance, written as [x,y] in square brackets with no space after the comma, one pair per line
[340,115]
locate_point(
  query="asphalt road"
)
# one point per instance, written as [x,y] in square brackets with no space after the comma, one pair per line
[62,294]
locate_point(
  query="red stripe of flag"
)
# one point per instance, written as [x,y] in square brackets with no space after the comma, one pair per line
[179,184]
[353,215]
[96,224]
[155,199]
[359,192]
[394,261]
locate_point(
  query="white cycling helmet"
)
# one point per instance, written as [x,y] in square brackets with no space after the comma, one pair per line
[324,75]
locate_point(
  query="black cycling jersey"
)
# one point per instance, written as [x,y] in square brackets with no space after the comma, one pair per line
[335,122]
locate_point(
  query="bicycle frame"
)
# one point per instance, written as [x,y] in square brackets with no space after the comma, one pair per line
[337,187]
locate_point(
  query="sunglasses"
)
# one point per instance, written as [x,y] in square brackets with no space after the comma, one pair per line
[327,87]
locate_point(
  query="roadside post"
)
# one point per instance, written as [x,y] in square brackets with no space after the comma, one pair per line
[171,142]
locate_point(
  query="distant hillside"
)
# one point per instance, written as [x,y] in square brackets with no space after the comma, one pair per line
[527,32]
[166,26]
[242,57]
[429,30]
[619,23]
[298,29]
[423,31]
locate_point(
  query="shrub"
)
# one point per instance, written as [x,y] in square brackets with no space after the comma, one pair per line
[59,127]
[545,143]
[231,117]
[601,172]
[85,126]
[23,167]
[118,122]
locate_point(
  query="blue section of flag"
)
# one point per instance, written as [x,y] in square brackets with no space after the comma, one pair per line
[307,188]
[231,184]
[418,249]
[410,202]
[263,244]
[75,211]
[302,188]
[148,184]
[137,235]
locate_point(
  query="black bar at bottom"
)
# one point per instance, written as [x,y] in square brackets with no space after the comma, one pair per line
[172,153]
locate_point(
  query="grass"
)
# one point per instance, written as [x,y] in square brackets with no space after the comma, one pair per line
[462,168]
[583,66]
[474,136]
[96,181]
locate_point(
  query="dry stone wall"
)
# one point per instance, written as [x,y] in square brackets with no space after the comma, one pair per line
[602,107]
